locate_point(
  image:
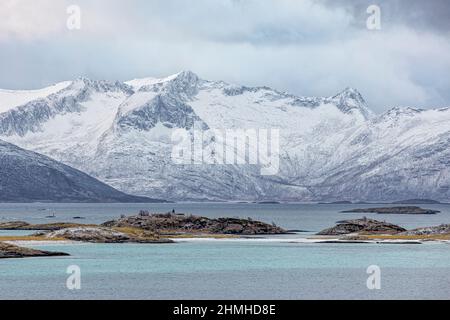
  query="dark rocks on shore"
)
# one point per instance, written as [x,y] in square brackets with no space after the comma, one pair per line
[393,210]
[337,202]
[362,226]
[269,202]
[343,241]
[176,223]
[13,251]
[399,242]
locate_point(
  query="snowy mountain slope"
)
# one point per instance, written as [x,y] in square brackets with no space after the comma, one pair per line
[331,148]
[28,176]
[14,98]
[401,153]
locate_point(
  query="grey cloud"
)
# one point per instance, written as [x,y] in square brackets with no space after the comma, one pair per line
[304,47]
[432,15]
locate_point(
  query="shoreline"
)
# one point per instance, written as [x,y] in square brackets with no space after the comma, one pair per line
[27,243]
[158,228]
[200,239]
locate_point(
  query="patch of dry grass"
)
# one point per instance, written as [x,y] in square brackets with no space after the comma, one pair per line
[408,237]
[137,232]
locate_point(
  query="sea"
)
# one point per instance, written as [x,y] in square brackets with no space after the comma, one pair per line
[261,267]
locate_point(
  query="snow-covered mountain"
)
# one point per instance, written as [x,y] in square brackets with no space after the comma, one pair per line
[27,176]
[331,148]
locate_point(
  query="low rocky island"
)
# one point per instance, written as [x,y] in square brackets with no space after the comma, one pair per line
[141,228]
[362,226]
[150,228]
[393,210]
[158,223]
[171,223]
[12,251]
[363,230]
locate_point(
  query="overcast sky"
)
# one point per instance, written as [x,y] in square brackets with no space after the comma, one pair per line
[304,47]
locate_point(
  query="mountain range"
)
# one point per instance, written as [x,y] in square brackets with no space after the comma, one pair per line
[331,148]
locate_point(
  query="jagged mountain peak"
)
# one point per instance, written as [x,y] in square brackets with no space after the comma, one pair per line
[350,100]
[404,110]
[186,75]
[100,85]
[406,114]
[350,92]
[184,84]
[397,113]
[160,110]
[182,76]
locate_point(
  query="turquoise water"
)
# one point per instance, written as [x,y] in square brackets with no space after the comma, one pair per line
[232,270]
[229,269]
[16,232]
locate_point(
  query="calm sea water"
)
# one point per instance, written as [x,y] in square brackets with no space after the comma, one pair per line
[309,217]
[228,269]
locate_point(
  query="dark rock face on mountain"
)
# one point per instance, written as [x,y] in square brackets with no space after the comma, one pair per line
[362,226]
[181,223]
[351,100]
[12,251]
[161,109]
[26,176]
[394,210]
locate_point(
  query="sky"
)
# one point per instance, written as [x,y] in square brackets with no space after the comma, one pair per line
[305,47]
